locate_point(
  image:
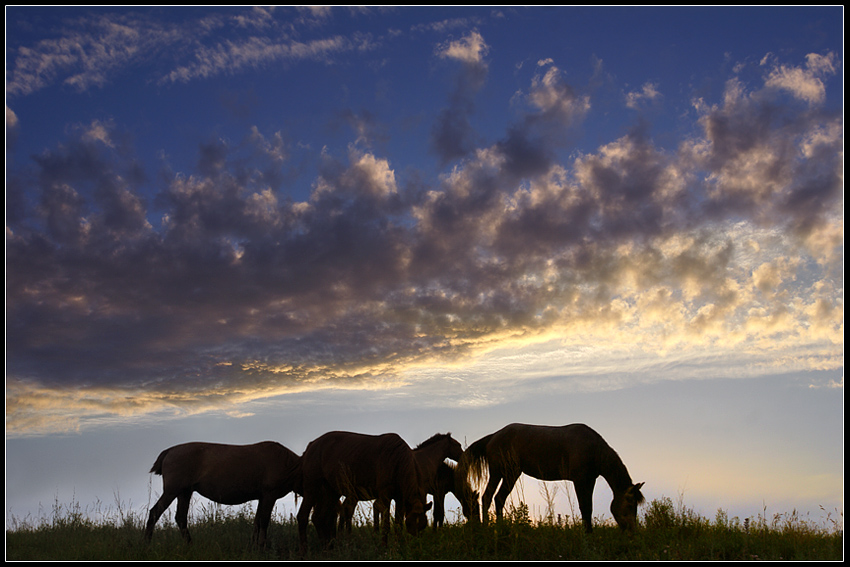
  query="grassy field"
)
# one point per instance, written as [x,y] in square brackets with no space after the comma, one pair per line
[669,531]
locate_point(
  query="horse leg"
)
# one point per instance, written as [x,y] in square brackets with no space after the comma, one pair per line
[346,514]
[487,497]
[182,517]
[158,509]
[584,495]
[303,517]
[377,516]
[263,519]
[382,509]
[504,491]
[325,512]
[439,509]
[399,522]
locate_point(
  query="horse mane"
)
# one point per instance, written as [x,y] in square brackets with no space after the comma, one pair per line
[406,467]
[436,438]
[613,469]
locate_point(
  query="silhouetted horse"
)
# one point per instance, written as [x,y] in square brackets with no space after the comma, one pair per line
[227,474]
[359,466]
[437,477]
[570,452]
[449,480]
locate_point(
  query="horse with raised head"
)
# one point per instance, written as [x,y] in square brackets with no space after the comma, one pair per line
[437,479]
[227,474]
[359,466]
[570,452]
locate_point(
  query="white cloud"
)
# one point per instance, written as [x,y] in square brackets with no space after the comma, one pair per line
[550,94]
[98,131]
[649,92]
[11,118]
[804,83]
[88,54]
[470,49]
[255,52]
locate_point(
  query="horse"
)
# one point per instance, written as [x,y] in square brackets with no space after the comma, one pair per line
[359,466]
[227,474]
[450,480]
[437,477]
[570,452]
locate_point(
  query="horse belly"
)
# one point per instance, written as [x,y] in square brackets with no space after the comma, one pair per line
[548,473]
[232,485]
[344,471]
[546,467]
[229,495]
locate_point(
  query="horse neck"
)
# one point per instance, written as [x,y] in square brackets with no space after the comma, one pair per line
[429,457]
[614,471]
[413,471]
[432,452]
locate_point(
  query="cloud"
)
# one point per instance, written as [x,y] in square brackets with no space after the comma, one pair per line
[470,49]
[648,93]
[555,98]
[222,289]
[452,135]
[91,52]
[11,129]
[804,83]
[368,175]
[254,53]
[11,119]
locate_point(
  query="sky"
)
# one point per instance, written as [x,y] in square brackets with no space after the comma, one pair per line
[240,224]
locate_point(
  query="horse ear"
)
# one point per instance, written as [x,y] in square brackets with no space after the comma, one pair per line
[639,485]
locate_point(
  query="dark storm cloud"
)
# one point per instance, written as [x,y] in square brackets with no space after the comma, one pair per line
[222,286]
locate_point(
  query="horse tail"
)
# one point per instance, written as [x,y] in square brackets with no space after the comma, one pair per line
[474,460]
[157,466]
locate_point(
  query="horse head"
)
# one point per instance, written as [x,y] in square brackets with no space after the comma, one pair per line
[443,444]
[470,507]
[455,449]
[467,496]
[624,506]
[415,518]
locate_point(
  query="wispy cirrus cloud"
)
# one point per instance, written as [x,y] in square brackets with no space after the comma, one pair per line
[256,52]
[91,52]
[88,53]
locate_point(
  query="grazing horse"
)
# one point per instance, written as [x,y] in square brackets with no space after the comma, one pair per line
[448,480]
[359,466]
[570,452]
[227,474]
[437,479]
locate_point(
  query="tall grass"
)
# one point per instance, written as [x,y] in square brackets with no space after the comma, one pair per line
[669,531]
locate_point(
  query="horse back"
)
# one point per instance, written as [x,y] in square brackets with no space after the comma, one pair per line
[549,452]
[229,473]
[351,462]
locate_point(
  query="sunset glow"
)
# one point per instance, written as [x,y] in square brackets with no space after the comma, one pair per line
[434,216]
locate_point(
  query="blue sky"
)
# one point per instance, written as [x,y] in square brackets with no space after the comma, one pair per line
[241,224]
